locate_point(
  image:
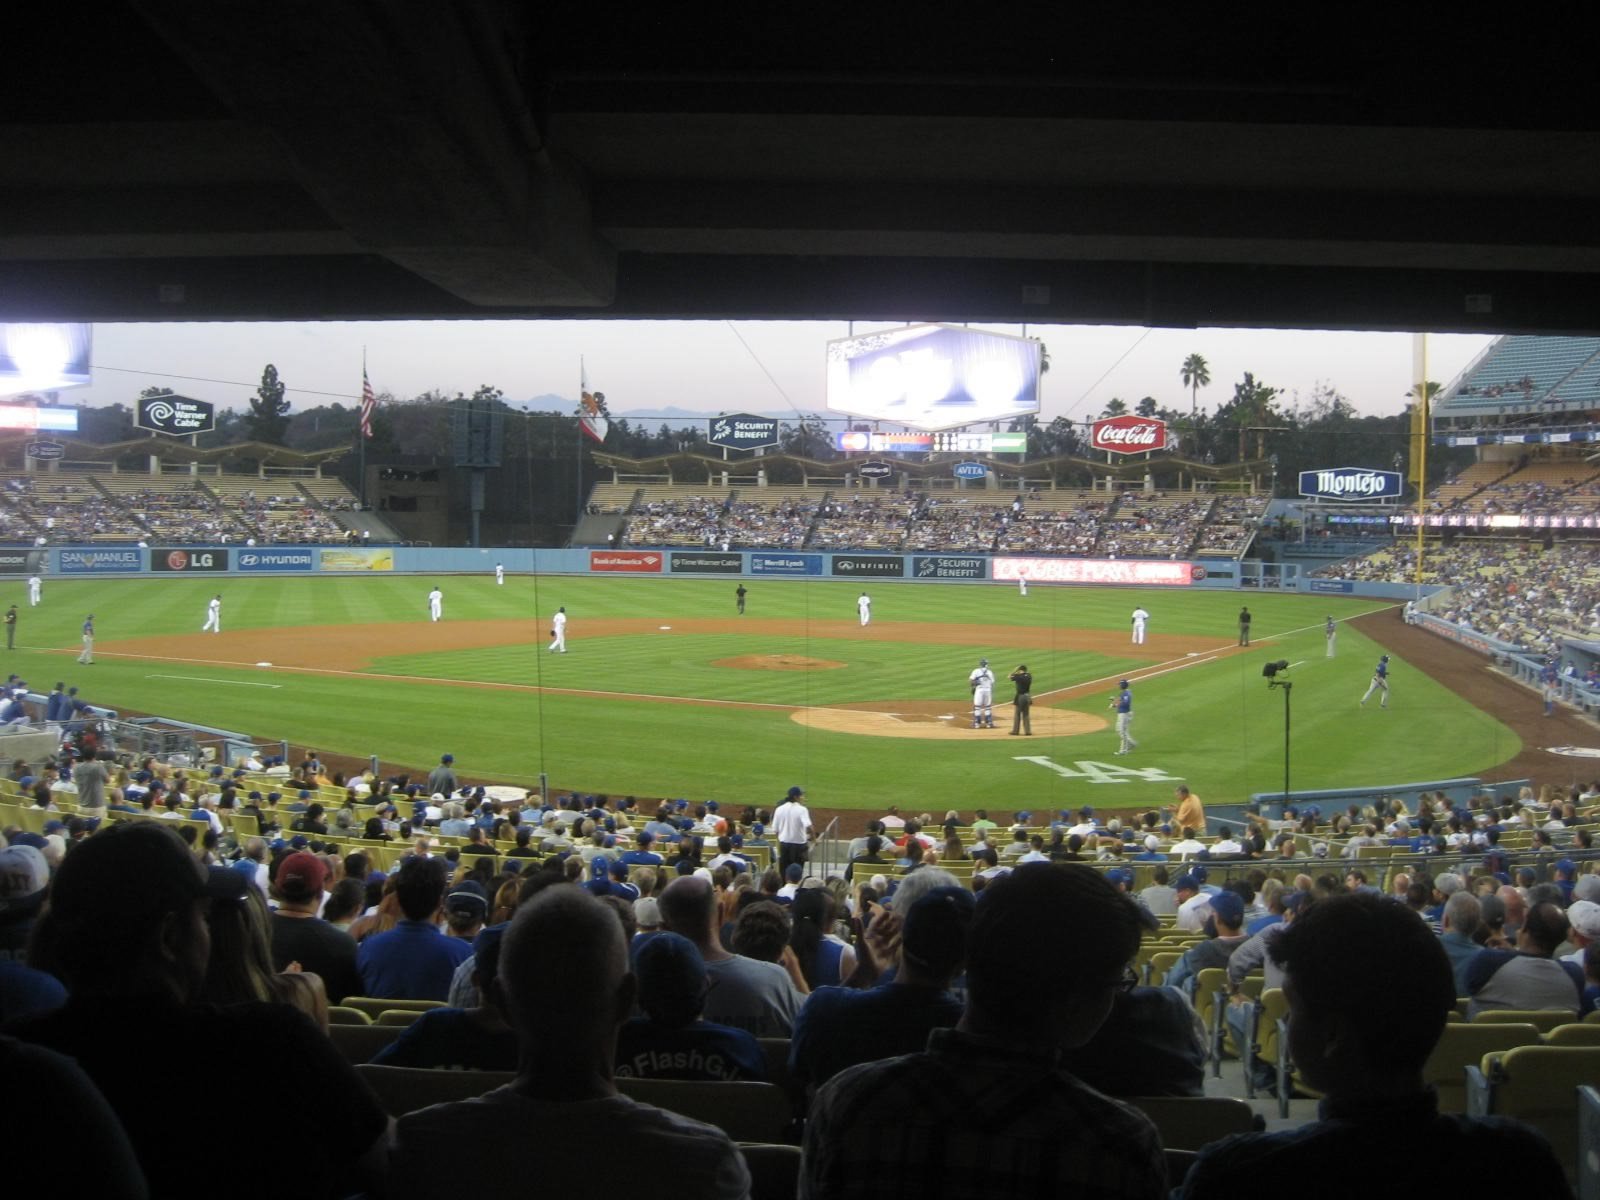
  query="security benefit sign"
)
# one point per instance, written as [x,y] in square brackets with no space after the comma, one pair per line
[935,566]
[177,415]
[742,431]
[1351,483]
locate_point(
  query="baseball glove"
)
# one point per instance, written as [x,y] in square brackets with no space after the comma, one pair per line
[552,633]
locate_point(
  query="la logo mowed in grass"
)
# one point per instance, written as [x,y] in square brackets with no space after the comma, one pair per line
[1099,772]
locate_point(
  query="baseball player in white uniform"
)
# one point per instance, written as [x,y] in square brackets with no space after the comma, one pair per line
[1139,618]
[500,574]
[982,682]
[1331,632]
[213,615]
[1022,585]
[864,608]
[35,590]
[558,631]
[435,604]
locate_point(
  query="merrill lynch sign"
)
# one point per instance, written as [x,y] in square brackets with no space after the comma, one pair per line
[1351,483]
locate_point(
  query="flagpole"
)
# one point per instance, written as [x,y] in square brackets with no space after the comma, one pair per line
[361,437]
[583,388]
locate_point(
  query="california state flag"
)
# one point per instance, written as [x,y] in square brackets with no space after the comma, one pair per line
[592,417]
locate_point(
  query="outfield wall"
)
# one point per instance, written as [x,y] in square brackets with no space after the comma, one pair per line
[69,562]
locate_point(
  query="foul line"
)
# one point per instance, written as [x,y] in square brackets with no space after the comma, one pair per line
[210,679]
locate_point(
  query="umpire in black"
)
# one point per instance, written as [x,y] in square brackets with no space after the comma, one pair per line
[1021,716]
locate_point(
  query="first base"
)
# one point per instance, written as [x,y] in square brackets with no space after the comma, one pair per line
[665,627]
[263,664]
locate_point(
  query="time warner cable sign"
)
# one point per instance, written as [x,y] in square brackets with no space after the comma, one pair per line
[177,415]
[742,431]
[1351,483]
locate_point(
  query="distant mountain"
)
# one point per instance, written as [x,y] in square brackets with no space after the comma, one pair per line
[683,414]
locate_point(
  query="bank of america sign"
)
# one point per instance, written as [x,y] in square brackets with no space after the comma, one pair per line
[1351,483]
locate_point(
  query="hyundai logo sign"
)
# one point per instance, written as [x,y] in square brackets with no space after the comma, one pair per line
[1351,483]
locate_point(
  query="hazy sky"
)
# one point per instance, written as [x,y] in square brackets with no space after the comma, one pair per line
[722,366]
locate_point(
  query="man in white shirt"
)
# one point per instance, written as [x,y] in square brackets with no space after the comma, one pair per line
[791,825]
[35,590]
[435,604]
[864,608]
[213,616]
[558,630]
[1194,905]
[1140,616]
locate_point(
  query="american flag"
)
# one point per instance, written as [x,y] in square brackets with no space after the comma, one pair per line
[368,403]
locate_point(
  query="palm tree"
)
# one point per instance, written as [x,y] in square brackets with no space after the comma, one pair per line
[1196,374]
[1115,407]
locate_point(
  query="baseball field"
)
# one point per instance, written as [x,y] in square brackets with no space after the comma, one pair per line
[666,691]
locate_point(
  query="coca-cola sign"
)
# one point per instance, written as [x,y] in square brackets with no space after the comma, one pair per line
[1128,435]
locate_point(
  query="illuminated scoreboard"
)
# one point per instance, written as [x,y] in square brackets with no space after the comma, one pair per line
[946,442]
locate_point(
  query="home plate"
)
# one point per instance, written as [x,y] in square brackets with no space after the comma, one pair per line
[263,664]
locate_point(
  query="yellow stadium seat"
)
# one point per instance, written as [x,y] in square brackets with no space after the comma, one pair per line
[376,1006]
[1538,1085]
[1464,1045]
[1541,1020]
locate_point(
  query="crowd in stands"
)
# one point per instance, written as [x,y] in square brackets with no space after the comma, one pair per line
[1517,592]
[1132,524]
[47,512]
[907,986]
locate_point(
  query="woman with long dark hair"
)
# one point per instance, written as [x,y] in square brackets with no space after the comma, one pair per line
[825,960]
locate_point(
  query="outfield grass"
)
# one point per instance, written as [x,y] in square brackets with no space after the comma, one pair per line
[1215,725]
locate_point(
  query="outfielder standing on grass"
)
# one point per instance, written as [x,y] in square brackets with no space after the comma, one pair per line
[1331,630]
[558,631]
[1380,682]
[982,683]
[87,657]
[213,615]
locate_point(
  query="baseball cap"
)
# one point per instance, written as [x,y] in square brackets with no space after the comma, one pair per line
[758,829]
[24,878]
[647,912]
[1566,866]
[672,979]
[1587,888]
[1228,907]
[449,758]
[135,873]
[935,930]
[468,897]
[1122,683]
[486,950]
[1119,875]
[1186,882]
[795,792]
[1584,916]
[1151,841]
[983,662]
[301,876]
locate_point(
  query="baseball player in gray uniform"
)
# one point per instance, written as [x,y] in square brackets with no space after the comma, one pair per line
[982,682]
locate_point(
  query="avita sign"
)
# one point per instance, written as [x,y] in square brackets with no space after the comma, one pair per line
[1128,435]
[1351,483]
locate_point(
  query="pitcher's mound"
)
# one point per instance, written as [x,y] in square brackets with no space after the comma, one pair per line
[940,720]
[778,662]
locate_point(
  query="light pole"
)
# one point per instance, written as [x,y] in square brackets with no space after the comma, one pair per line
[1272,671]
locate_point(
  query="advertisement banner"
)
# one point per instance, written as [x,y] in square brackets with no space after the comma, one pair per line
[870,564]
[709,562]
[1351,483]
[276,560]
[1128,434]
[1331,585]
[15,562]
[46,451]
[176,415]
[1098,570]
[636,562]
[742,431]
[356,560]
[89,562]
[188,560]
[786,564]
[945,567]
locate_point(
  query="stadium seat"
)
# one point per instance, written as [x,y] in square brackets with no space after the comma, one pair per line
[376,1006]
[405,1089]
[1588,1143]
[1190,1122]
[341,1014]
[1543,1021]
[1263,1018]
[1538,1085]
[1210,995]
[398,1016]
[774,1170]
[746,1112]
[1464,1045]
[358,1043]
[1159,965]
[1575,1033]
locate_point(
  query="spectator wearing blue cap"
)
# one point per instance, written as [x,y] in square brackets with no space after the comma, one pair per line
[643,855]
[1227,912]
[443,777]
[671,1040]
[791,825]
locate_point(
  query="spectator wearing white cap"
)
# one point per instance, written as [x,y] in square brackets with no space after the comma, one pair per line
[1583,917]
